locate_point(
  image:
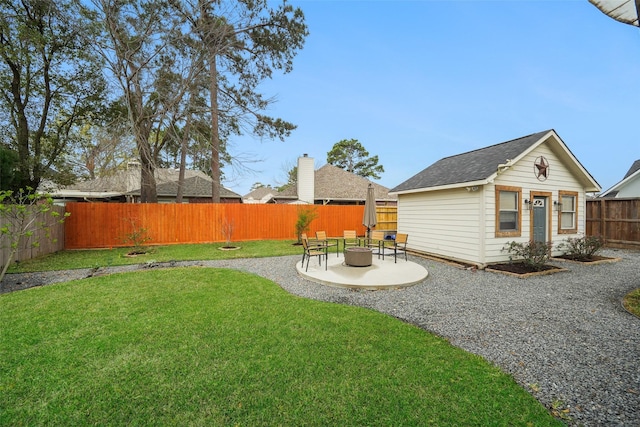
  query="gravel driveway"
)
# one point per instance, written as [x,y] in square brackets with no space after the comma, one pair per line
[564,337]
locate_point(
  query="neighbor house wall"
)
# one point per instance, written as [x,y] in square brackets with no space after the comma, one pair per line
[521,175]
[630,189]
[444,223]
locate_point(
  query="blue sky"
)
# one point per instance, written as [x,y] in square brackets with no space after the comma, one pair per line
[415,81]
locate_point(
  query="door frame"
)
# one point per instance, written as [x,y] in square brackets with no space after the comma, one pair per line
[548,195]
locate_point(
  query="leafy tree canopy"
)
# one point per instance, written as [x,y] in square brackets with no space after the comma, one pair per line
[351,156]
[50,82]
[8,163]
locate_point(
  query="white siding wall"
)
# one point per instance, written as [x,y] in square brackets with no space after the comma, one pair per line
[306,179]
[630,189]
[461,225]
[522,175]
[445,223]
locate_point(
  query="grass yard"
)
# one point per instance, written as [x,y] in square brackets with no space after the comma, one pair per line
[200,346]
[68,260]
[632,302]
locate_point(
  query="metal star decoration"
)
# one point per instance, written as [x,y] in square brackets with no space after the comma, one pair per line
[541,168]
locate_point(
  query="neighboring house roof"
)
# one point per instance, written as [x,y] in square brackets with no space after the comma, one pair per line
[332,183]
[635,167]
[632,174]
[127,182]
[260,195]
[481,166]
[194,187]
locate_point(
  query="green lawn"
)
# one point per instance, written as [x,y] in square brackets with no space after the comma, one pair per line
[200,346]
[66,260]
[632,302]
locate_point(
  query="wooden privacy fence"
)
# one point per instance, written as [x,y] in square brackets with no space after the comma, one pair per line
[105,225]
[47,244]
[387,217]
[617,221]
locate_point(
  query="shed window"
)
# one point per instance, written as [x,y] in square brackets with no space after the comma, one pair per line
[508,217]
[568,212]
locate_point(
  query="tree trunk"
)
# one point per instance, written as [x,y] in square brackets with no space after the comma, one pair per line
[183,159]
[215,134]
[148,192]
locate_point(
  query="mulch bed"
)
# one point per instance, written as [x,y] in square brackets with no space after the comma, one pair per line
[590,259]
[521,268]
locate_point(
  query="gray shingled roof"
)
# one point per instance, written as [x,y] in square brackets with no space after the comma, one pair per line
[127,181]
[633,169]
[260,192]
[197,183]
[471,166]
[334,183]
[193,187]
[610,193]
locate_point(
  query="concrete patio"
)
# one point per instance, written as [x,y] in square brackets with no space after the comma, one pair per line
[381,274]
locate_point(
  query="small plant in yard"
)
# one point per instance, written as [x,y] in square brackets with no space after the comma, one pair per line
[534,255]
[582,248]
[305,217]
[227,227]
[22,213]
[137,238]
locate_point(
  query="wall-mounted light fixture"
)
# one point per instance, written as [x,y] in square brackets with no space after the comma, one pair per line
[527,204]
[557,206]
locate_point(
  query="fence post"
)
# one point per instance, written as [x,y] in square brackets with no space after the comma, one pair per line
[603,221]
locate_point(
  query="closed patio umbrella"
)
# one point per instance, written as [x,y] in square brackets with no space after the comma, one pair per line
[369,219]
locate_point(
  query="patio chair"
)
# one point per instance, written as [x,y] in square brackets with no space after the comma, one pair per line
[321,236]
[400,245]
[309,251]
[311,243]
[376,243]
[349,239]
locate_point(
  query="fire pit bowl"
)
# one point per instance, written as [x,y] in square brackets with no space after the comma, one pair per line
[358,257]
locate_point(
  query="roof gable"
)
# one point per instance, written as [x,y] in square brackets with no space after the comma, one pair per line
[260,192]
[632,174]
[483,165]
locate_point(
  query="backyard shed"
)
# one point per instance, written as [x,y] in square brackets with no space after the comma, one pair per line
[468,206]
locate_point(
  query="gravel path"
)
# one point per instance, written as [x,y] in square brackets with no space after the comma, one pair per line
[564,337]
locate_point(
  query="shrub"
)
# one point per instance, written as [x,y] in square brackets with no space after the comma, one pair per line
[22,214]
[305,217]
[137,237]
[533,254]
[581,248]
[227,227]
